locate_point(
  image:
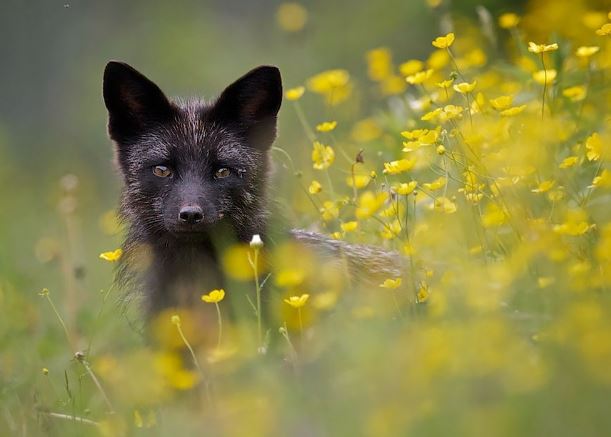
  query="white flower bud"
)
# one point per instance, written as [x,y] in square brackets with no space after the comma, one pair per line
[256,241]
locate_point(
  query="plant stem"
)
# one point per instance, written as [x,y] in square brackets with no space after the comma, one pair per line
[220,320]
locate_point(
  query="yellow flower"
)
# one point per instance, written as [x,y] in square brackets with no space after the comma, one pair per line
[541,48]
[45,371]
[329,210]
[569,162]
[604,30]
[436,184]
[429,116]
[326,126]
[411,67]
[493,216]
[322,156]
[349,226]
[602,180]
[575,93]
[290,277]
[297,301]
[451,111]
[391,284]
[333,84]
[502,102]
[445,205]
[445,84]
[509,20]
[291,16]
[315,187]
[419,77]
[444,42]
[175,319]
[379,62]
[544,186]
[423,293]
[544,77]
[465,87]
[359,180]
[516,110]
[441,150]
[587,51]
[294,93]
[594,147]
[112,256]
[369,203]
[398,167]
[215,296]
[405,189]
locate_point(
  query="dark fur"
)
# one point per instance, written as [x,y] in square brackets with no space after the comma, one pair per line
[173,261]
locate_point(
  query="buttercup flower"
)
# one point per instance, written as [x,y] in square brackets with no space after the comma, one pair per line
[297,301]
[294,93]
[112,256]
[444,42]
[327,126]
[391,283]
[541,48]
[322,156]
[214,296]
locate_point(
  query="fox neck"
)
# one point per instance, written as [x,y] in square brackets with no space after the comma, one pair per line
[179,269]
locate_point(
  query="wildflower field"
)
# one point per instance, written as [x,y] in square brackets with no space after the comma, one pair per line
[483,164]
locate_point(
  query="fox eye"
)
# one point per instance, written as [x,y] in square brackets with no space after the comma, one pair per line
[222,173]
[162,171]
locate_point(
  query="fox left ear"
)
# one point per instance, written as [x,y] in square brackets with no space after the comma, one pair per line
[251,104]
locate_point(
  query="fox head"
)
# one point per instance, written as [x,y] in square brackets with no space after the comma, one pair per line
[191,166]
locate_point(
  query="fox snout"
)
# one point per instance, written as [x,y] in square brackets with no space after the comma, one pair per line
[191,214]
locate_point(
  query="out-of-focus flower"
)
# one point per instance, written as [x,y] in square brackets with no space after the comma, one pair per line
[594,146]
[411,67]
[544,77]
[399,166]
[215,296]
[297,301]
[605,30]
[569,162]
[544,186]
[369,203]
[329,210]
[112,256]
[502,102]
[334,85]
[465,87]
[349,226]
[315,187]
[391,283]
[420,77]
[405,189]
[511,112]
[444,42]
[509,20]
[542,48]
[326,126]
[294,93]
[291,17]
[322,156]
[575,93]
[587,51]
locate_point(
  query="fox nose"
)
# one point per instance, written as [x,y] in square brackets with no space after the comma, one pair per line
[191,214]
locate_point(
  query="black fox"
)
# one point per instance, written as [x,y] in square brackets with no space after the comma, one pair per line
[195,177]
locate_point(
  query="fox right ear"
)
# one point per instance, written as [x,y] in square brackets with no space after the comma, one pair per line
[134,103]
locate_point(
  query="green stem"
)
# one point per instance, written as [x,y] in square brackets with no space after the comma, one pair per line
[220,320]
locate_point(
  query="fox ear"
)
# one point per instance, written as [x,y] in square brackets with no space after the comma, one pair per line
[134,103]
[251,104]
